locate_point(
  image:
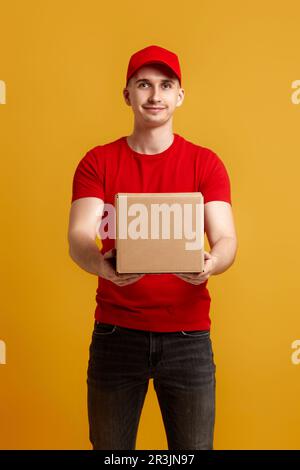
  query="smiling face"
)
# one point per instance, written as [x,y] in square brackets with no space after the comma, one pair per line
[153,86]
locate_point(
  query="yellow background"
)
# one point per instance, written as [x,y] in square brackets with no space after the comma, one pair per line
[64,65]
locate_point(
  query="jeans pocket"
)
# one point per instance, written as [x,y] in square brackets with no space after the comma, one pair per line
[103,329]
[196,333]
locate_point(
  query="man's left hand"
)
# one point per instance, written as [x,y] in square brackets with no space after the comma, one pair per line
[210,262]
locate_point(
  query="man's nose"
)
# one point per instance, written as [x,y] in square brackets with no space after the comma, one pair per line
[155,94]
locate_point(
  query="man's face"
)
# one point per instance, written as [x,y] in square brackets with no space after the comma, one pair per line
[153,86]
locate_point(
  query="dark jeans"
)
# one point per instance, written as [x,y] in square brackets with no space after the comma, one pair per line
[121,362]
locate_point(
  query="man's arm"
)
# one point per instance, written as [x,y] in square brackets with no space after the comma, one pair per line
[221,234]
[84,221]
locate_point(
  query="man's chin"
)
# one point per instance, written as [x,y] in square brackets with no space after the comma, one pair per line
[154,122]
[159,117]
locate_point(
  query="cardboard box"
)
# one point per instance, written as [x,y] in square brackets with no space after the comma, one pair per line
[159,232]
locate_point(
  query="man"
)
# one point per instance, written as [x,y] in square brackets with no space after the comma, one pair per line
[151,325]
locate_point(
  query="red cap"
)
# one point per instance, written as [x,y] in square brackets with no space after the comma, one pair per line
[153,54]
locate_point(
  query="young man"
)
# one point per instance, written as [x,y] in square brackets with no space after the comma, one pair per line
[151,326]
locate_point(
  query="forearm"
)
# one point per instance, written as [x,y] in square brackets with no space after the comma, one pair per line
[85,253]
[225,251]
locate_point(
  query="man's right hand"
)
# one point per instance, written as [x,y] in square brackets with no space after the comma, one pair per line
[108,270]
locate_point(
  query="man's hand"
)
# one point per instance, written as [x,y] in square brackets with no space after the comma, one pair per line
[210,262]
[108,270]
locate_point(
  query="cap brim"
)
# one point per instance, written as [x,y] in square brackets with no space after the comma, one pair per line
[155,62]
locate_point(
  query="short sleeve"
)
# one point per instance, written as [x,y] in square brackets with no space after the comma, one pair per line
[88,179]
[215,184]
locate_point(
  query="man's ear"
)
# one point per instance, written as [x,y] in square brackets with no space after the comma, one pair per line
[180,97]
[126,96]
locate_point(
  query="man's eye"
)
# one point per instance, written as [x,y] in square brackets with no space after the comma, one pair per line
[168,84]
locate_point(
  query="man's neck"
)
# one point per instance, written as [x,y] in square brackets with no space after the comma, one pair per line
[150,141]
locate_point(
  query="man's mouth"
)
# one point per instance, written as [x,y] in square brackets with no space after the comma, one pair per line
[153,110]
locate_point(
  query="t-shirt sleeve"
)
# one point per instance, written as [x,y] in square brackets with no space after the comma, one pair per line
[215,184]
[88,179]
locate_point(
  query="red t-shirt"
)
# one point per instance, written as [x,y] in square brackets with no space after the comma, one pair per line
[156,302]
